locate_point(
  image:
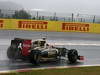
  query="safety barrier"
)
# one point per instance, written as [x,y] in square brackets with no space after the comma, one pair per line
[41,25]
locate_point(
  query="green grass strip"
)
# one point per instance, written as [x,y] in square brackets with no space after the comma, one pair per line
[66,71]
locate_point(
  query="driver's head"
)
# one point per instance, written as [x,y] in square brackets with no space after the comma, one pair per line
[44,38]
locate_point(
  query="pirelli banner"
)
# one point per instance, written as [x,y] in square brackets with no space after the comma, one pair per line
[76,27]
[41,25]
[32,25]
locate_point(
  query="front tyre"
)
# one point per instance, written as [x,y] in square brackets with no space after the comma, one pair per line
[72,56]
[35,56]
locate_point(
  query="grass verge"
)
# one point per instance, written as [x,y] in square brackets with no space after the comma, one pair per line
[66,71]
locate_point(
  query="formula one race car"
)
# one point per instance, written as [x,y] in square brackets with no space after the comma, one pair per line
[38,51]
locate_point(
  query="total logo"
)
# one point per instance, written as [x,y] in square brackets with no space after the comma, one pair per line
[26,45]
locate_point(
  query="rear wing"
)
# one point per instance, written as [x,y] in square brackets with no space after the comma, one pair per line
[25,45]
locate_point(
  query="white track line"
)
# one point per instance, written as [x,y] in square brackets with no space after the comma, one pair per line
[83,44]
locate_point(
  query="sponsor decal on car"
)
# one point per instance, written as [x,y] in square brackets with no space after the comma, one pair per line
[1,23]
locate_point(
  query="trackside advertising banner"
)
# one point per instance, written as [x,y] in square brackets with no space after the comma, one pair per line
[32,25]
[81,27]
[41,25]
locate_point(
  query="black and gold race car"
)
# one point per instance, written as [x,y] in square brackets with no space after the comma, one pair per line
[39,50]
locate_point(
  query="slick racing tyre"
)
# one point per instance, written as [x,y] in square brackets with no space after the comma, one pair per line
[72,55]
[35,56]
[13,53]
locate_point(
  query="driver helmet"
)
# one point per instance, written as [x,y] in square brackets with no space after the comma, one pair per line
[44,38]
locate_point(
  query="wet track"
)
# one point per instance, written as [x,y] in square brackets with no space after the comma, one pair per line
[88,45]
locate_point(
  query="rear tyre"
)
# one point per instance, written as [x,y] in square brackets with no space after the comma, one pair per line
[13,52]
[72,56]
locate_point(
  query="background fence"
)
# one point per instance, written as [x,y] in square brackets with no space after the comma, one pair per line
[52,16]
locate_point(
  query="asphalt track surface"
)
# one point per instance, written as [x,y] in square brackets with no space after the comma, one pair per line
[87,44]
